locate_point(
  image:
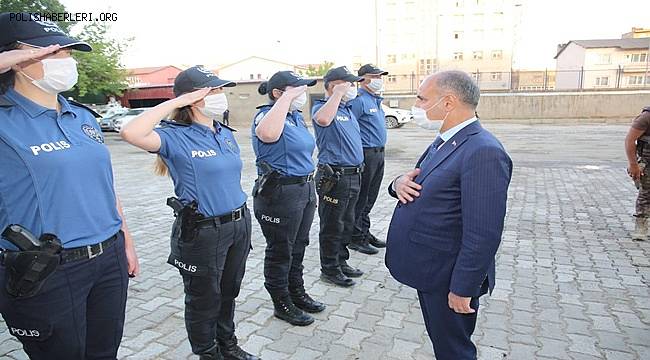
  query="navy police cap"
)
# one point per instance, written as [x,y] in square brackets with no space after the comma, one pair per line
[371,69]
[198,77]
[341,73]
[31,29]
[281,79]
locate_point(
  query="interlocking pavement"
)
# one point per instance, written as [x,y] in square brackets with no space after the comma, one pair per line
[571,284]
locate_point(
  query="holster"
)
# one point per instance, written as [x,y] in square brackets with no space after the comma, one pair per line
[36,260]
[187,216]
[328,180]
[267,183]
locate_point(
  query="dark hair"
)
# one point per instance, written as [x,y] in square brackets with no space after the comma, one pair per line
[183,116]
[7,78]
[263,89]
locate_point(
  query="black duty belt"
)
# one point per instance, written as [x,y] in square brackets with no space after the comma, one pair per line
[377,149]
[86,252]
[292,180]
[234,215]
[348,170]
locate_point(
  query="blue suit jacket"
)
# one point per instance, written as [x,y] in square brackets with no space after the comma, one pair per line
[446,239]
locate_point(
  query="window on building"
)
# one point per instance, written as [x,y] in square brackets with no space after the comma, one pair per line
[637,58]
[458,34]
[259,76]
[252,77]
[604,58]
[458,56]
[602,81]
[459,3]
[477,55]
[497,55]
[392,58]
[392,78]
[496,76]
[635,80]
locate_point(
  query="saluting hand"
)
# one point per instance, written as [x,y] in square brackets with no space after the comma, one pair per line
[191,97]
[406,188]
[341,88]
[13,57]
[294,92]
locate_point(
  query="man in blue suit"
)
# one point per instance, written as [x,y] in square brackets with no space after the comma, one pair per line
[447,226]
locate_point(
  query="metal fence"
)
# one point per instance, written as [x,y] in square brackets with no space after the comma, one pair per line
[623,77]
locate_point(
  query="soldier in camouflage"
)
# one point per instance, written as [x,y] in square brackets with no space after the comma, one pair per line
[637,149]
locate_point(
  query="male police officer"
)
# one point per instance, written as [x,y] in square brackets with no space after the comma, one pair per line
[367,109]
[340,161]
[637,149]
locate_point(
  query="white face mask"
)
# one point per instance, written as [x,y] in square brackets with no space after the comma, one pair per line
[376,84]
[350,94]
[214,106]
[299,102]
[59,75]
[422,120]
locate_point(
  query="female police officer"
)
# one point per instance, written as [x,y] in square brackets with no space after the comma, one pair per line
[64,280]
[285,197]
[211,236]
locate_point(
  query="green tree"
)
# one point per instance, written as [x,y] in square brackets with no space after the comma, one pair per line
[100,71]
[36,6]
[320,70]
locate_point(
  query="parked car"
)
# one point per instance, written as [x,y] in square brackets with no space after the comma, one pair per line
[396,118]
[124,119]
[107,123]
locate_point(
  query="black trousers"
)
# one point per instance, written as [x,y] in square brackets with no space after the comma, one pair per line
[285,218]
[371,178]
[449,331]
[210,299]
[79,312]
[336,212]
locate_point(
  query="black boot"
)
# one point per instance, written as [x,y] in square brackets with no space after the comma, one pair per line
[372,239]
[304,302]
[362,247]
[212,354]
[232,351]
[349,271]
[338,279]
[286,310]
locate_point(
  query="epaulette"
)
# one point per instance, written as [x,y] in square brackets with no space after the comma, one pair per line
[227,127]
[171,123]
[78,104]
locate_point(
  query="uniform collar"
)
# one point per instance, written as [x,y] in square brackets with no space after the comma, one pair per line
[33,109]
[205,129]
[363,91]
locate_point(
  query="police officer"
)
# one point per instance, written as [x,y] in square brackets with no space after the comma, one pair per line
[285,195]
[366,107]
[637,149]
[211,236]
[66,251]
[340,161]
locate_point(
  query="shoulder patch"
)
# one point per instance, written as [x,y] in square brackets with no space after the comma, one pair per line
[92,133]
[78,104]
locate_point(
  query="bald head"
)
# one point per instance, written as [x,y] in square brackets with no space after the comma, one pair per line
[452,82]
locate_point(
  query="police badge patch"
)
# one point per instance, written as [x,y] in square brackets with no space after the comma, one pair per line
[92,133]
[231,145]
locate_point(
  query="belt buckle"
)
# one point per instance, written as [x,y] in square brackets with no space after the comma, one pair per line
[91,255]
[236,214]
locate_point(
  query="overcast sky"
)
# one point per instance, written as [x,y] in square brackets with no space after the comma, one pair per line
[310,31]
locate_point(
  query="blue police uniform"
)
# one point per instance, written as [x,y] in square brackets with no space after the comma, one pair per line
[286,214]
[367,108]
[205,167]
[56,177]
[339,145]
[291,154]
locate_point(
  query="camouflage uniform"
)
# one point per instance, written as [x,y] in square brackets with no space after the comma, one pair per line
[642,211]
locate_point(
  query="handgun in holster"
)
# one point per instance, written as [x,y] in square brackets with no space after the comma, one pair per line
[328,180]
[266,183]
[187,215]
[35,261]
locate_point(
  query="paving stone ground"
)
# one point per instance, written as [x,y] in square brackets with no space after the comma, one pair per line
[571,284]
